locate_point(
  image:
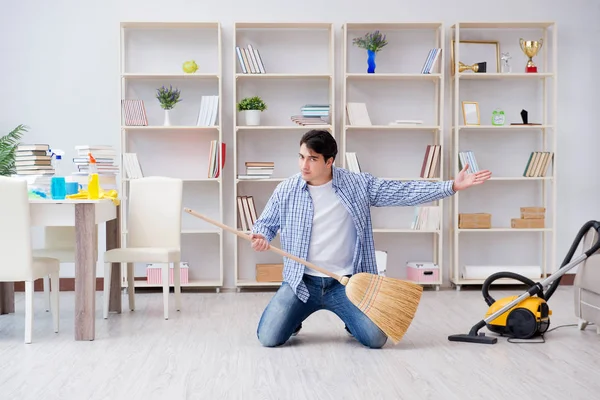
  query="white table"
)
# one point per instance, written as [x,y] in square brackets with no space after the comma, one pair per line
[85,215]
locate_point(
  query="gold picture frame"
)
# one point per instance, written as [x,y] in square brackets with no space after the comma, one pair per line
[470,111]
[476,51]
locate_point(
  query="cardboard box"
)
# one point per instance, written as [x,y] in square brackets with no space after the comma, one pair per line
[422,272]
[154,274]
[475,221]
[533,212]
[269,272]
[530,223]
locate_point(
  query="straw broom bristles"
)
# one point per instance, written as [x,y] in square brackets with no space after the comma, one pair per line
[389,302]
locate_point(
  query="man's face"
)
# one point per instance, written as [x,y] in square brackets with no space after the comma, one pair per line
[312,165]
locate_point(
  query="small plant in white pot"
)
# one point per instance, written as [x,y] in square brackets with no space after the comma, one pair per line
[251,107]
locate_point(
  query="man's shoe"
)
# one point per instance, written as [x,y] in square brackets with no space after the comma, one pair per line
[297,330]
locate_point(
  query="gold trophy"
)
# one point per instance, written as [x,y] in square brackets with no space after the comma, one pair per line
[531,48]
[477,67]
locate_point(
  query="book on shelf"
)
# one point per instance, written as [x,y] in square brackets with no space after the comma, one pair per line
[352,163]
[431,161]
[216,159]
[134,112]
[258,170]
[246,212]
[537,164]
[250,60]
[33,159]
[131,166]
[209,108]
[468,157]
[431,60]
[357,114]
[426,218]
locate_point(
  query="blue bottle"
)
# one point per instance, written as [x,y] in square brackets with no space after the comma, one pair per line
[58,185]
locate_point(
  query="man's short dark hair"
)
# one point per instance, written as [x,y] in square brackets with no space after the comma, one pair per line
[321,142]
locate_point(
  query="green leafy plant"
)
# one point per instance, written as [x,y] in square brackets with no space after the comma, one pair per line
[168,97]
[373,41]
[251,103]
[8,148]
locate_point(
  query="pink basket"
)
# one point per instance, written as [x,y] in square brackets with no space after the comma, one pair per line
[422,272]
[154,275]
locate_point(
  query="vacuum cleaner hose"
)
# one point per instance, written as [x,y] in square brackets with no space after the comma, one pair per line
[545,296]
[485,290]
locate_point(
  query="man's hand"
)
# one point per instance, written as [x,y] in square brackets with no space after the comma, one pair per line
[259,243]
[465,180]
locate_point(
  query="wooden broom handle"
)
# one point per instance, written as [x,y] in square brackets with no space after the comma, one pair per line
[341,279]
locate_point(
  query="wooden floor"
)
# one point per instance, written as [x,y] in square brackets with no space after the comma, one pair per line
[210,351]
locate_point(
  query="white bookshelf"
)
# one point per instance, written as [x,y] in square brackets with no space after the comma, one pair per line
[504,150]
[298,61]
[152,55]
[397,90]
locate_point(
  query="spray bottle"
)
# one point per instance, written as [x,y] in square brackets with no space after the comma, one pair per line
[93,180]
[58,186]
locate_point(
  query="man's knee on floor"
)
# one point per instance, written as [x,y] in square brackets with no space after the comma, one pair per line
[372,338]
[269,338]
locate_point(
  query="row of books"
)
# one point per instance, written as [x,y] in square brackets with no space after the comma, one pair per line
[431,60]
[246,212]
[538,163]
[258,170]
[431,161]
[468,157]
[216,158]
[250,60]
[134,111]
[426,218]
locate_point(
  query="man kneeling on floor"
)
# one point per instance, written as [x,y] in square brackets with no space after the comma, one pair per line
[323,216]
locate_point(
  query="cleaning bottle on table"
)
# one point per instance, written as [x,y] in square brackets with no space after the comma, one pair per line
[93,180]
[58,186]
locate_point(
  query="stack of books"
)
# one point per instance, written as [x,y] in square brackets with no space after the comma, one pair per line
[105,157]
[258,170]
[313,114]
[33,159]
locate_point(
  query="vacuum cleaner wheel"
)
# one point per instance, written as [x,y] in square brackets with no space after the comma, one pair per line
[521,323]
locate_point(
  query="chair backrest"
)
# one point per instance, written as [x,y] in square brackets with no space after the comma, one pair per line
[155,212]
[15,231]
[59,237]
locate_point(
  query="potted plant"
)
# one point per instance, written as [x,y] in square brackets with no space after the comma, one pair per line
[373,42]
[8,149]
[251,107]
[168,98]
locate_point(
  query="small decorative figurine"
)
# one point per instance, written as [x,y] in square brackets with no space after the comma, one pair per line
[498,117]
[505,65]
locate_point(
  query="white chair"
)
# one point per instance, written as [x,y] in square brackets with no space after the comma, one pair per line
[153,235]
[17,263]
[59,243]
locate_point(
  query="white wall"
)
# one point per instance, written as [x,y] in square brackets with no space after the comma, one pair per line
[60,66]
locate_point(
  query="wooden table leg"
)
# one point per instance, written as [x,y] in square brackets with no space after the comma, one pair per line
[85,271]
[7,297]
[113,241]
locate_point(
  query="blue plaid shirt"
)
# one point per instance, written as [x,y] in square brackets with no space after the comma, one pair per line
[289,209]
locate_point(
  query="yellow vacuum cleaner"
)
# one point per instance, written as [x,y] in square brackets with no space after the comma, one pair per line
[525,316]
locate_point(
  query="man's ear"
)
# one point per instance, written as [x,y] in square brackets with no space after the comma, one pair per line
[329,161]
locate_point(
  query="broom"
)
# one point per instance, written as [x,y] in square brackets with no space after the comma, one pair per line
[390,303]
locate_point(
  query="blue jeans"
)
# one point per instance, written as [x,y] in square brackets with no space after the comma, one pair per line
[285,313]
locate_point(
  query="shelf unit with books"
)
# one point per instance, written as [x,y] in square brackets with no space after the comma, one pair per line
[392,128]
[509,223]
[189,146]
[290,67]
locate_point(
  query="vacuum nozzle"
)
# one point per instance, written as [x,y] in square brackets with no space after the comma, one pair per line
[473,336]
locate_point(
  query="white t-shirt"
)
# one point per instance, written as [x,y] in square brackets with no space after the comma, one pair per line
[333,236]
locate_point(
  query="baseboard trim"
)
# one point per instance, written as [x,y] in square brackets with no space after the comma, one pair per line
[68,284]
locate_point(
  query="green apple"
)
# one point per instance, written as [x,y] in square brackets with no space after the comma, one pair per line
[189,67]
